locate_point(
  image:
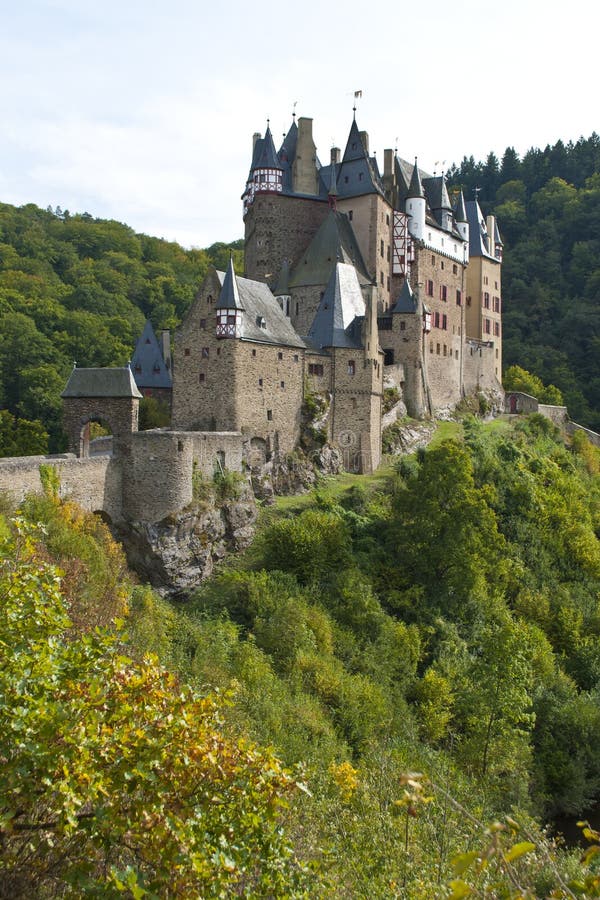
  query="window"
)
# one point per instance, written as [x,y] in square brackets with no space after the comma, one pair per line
[315,369]
[205,353]
[431,347]
[280,356]
[253,352]
[186,352]
[387,219]
[381,249]
[381,277]
[345,179]
[468,301]
[282,384]
[442,264]
[429,288]
[487,326]
[443,292]
[360,176]
[402,325]
[432,260]
[201,377]
[458,297]
[351,367]
[296,357]
[436,320]
[350,214]
[445,322]
[209,299]
[203,324]
[388,357]
[445,354]
[384,323]
[437,349]
[497,329]
[454,267]
[270,415]
[260,382]
[486,300]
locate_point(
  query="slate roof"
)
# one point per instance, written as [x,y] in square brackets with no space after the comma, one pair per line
[338,320]
[101,383]
[260,305]
[415,188]
[334,242]
[265,156]
[406,302]
[147,363]
[357,174]
[460,213]
[479,242]
[229,296]
[437,192]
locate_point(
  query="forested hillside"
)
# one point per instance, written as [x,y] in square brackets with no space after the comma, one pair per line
[78,289]
[548,209]
[424,644]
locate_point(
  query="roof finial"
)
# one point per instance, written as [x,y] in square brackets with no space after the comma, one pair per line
[357,94]
[294,110]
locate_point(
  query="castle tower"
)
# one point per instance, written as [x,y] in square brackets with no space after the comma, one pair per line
[416,205]
[229,308]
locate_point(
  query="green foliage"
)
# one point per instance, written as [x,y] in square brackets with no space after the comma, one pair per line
[50,479]
[94,798]
[154,413]
[20,437]
[517,379]
[75,288]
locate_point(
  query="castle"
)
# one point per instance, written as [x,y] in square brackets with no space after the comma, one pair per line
[355,281]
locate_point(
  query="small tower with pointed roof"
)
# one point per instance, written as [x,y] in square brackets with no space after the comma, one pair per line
[416,205]
[229,307]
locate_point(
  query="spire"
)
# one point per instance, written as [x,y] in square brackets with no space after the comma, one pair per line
[415,188]
[444,198]
[460,213]
[229,298]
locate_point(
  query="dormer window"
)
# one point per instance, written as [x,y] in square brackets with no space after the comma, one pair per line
[351,367]
[261,321]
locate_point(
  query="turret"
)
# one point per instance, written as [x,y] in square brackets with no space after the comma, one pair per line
[229,308]
[266,171]
[416,205]
[494,240]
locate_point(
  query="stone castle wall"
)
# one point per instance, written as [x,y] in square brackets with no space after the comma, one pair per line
[279,227]
[479,370]
[95,483]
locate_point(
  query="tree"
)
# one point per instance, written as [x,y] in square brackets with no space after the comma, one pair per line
[115,778]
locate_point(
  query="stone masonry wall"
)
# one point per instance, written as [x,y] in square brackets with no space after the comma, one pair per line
[436,276]
[479,368]
[371,217]
[278,227]
[119,413]
[94,483]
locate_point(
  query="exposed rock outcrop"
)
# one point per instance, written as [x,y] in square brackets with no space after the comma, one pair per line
[177,553]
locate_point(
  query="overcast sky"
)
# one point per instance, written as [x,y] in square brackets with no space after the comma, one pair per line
[143,111]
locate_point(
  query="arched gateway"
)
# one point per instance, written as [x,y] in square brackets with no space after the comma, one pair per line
[107,395]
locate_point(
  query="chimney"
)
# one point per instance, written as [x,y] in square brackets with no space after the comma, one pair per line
[165,348]
[365,141]
[388,163]
[304,169]
[255,138]
[335,156]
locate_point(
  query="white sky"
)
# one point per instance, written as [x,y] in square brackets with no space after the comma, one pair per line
[144,111]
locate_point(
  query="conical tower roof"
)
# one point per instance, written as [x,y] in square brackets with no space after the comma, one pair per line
[229,297]
[265,155]
[415,188]
[460,213]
